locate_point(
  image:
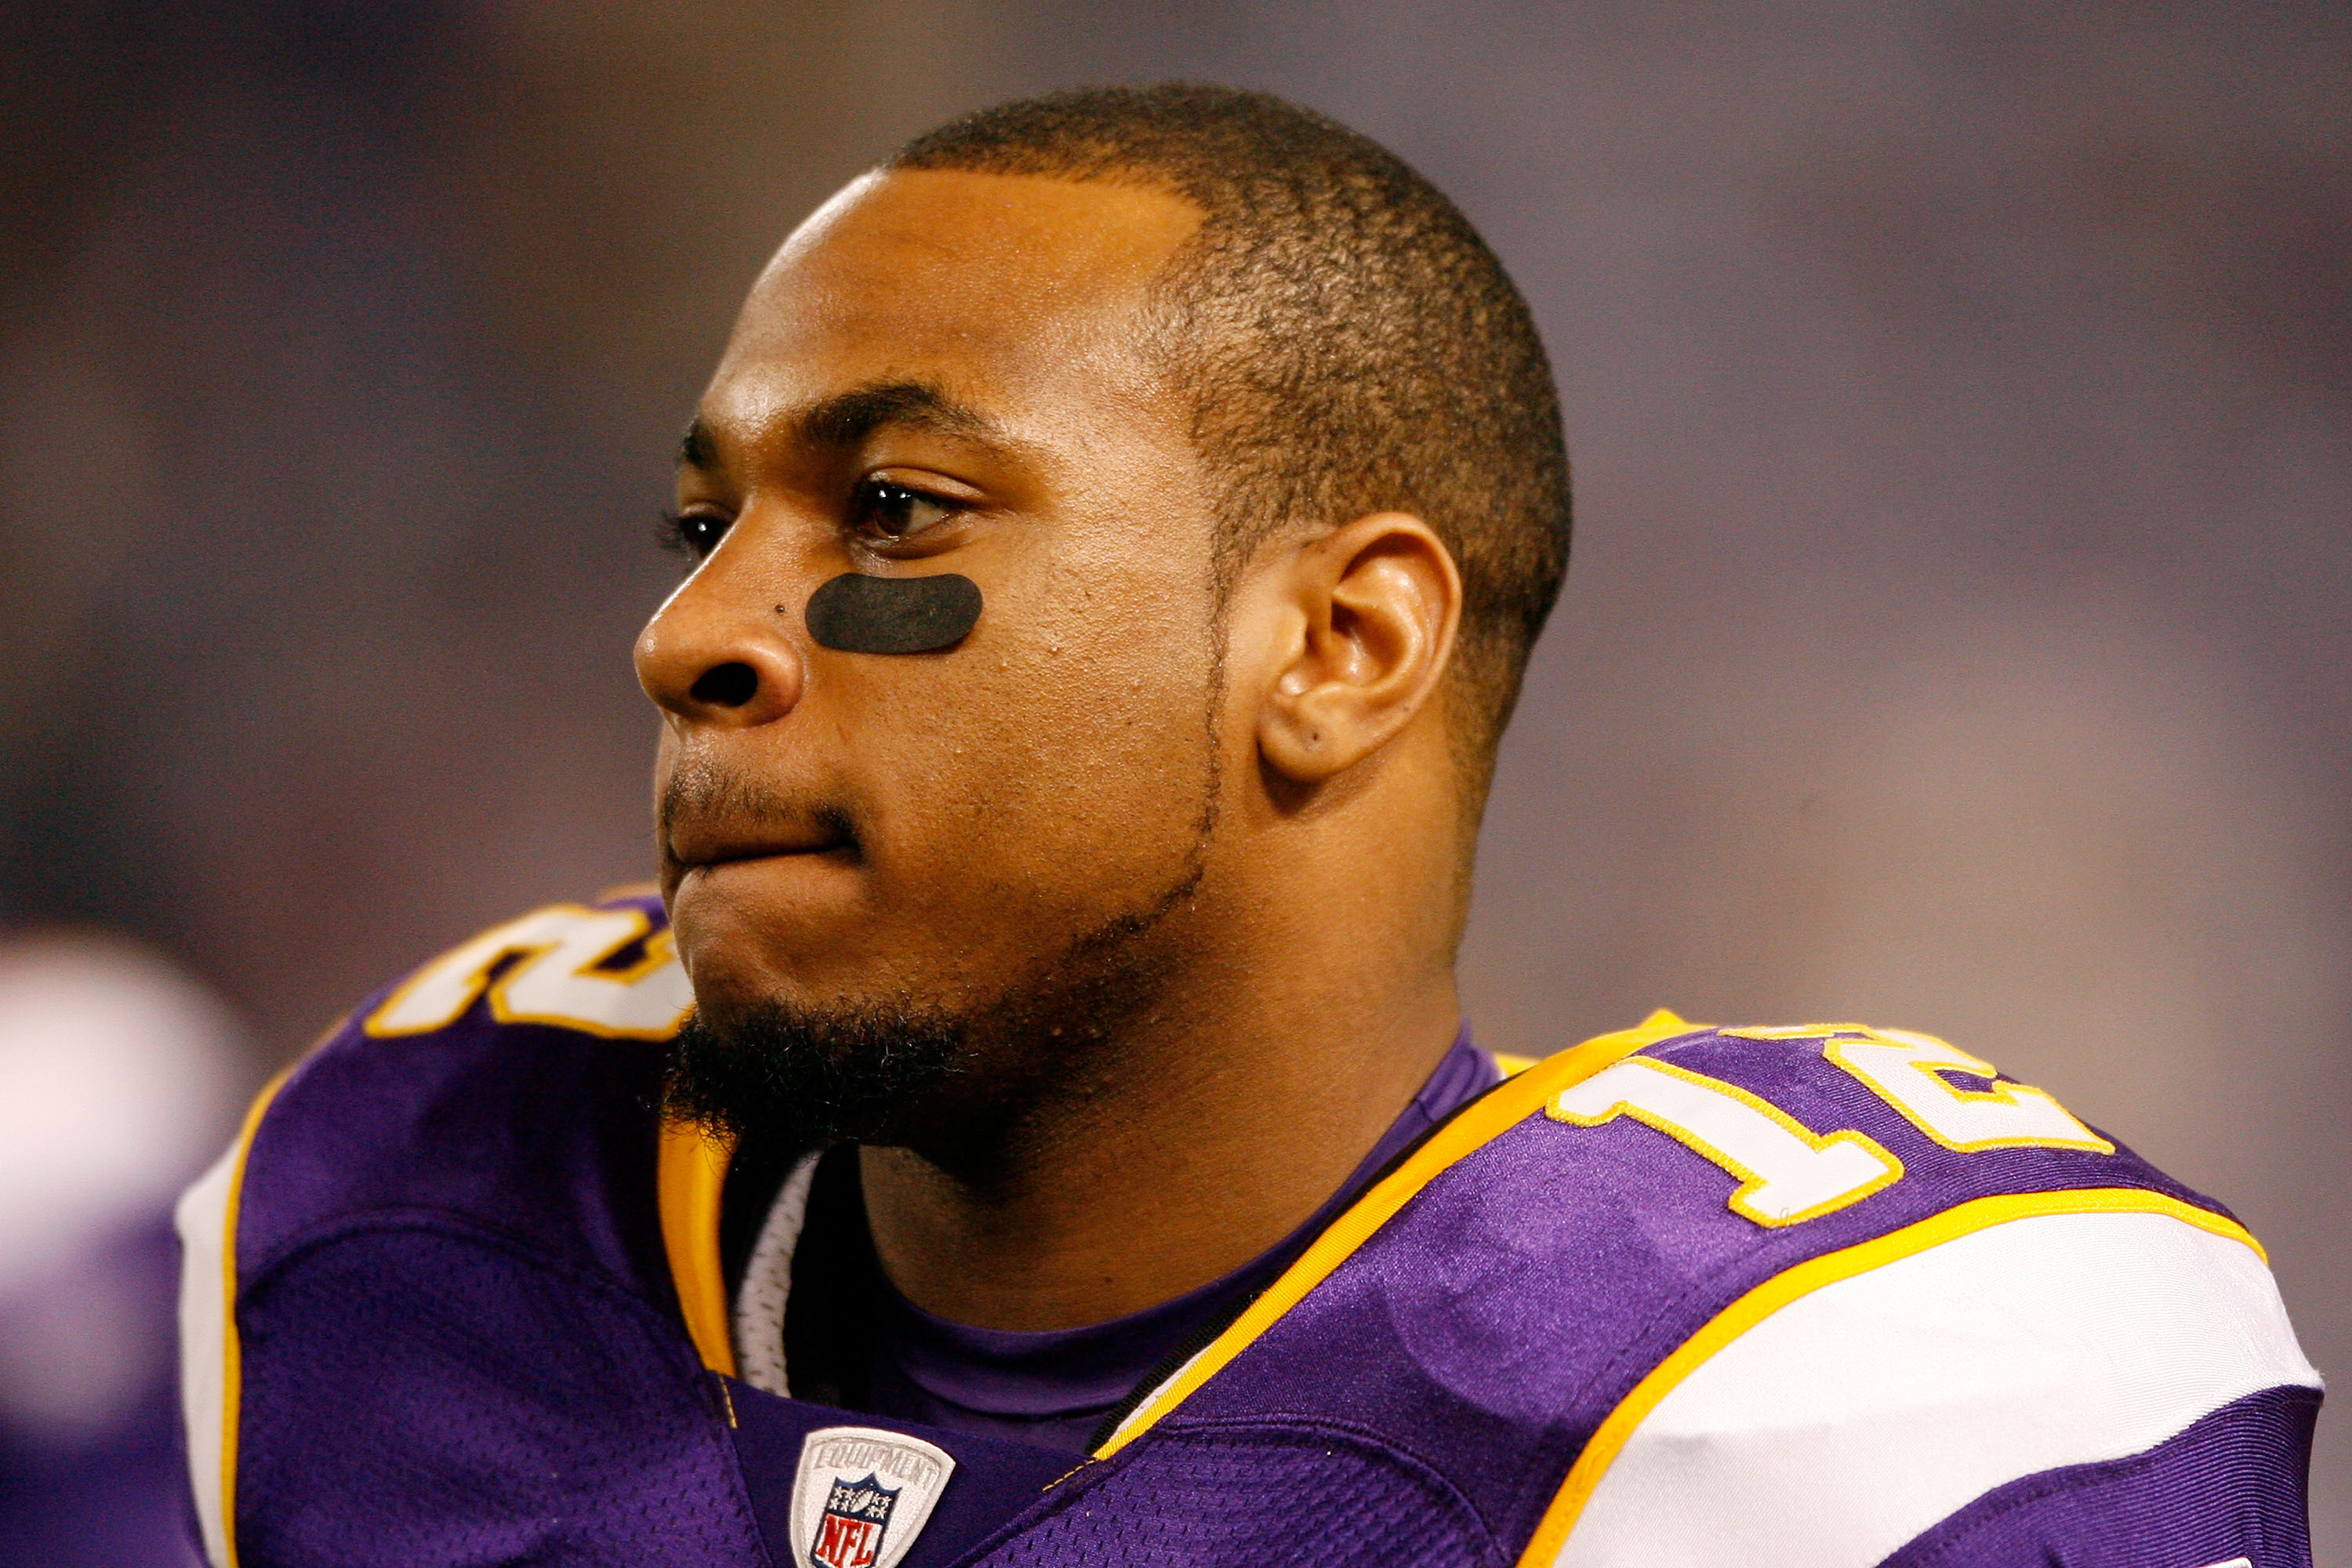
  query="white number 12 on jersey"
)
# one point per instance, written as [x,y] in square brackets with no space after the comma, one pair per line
[1787,1173]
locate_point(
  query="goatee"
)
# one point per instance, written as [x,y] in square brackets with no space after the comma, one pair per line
[800,1079]
[953,1084]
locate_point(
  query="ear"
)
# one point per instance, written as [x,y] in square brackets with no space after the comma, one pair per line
[1370,616]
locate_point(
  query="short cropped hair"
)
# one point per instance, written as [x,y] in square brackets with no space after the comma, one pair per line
[1349,344]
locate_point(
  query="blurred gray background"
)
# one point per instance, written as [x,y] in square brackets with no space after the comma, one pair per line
[1961,397]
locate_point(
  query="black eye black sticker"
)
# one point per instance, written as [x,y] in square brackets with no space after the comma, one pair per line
[859,614]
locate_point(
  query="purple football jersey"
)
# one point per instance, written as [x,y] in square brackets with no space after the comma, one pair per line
[1820,1295]
[1055,1387]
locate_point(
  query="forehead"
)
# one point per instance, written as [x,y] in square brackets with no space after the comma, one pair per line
[1018,292]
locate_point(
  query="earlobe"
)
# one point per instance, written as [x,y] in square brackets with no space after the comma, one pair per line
[1376,606]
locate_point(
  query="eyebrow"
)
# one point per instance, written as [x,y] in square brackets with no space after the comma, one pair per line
[846,418]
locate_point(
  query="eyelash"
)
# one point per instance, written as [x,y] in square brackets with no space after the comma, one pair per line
[680,534]
[692,536]
[872,495]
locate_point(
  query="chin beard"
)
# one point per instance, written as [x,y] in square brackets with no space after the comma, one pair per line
[796,1080]
[956,1086]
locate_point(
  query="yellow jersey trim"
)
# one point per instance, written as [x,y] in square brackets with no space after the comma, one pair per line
[690,1180]
[231,1353]
[520,956]
[1750,1180]
[1513,1102]
[1773,1294]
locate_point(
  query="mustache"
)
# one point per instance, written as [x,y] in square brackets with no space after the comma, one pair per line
[700,791]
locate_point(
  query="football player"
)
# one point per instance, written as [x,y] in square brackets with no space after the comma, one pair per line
[1032,1122]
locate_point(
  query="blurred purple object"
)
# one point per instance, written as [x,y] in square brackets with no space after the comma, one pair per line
[117,1080]
[102,1485]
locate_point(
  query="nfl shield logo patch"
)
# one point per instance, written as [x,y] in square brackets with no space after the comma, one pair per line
[862,1495]
[857,1517]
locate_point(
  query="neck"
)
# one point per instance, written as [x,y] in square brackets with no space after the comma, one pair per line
[1205,1136]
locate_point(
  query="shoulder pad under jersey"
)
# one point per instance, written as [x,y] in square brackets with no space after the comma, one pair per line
[434,1259]
[1803,1295]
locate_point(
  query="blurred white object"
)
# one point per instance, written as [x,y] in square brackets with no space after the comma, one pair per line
[119,1078]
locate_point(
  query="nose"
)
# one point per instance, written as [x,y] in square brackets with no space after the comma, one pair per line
[718,654]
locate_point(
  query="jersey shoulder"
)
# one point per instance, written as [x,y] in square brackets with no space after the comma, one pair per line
[436,1254]
[1811,1121]
[1962,1325]
[511,1083]
[1687,1251]
[608,969]
[1692,1156]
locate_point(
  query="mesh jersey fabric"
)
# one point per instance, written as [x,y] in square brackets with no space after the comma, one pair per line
[456,1337]
[1303,1494]
[1055,1387]
[495,1406]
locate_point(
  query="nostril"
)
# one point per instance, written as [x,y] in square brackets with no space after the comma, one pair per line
[727,686]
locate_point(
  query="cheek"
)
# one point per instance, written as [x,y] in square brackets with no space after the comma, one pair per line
[1071,770]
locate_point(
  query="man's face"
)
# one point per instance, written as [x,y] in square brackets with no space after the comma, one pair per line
[939,373]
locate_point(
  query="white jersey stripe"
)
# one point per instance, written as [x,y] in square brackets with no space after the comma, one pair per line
[203,1220]
[1863,1412]
[206,1221]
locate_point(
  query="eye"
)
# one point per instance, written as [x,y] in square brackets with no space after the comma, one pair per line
[693,535]
[885,513]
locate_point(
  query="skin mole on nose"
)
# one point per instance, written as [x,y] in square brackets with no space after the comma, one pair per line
[857,613]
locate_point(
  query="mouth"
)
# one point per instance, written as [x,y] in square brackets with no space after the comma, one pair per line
[703,845]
